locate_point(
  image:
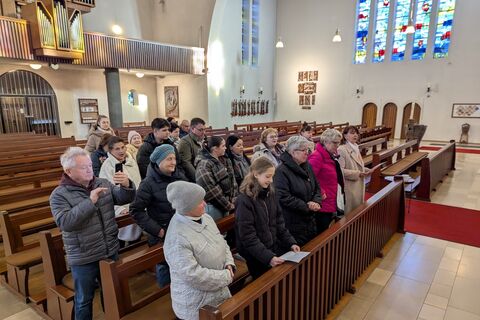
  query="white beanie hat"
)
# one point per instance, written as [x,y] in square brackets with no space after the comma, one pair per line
[131,134]
[184,196]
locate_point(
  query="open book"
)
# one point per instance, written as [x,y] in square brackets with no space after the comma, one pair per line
[294,256]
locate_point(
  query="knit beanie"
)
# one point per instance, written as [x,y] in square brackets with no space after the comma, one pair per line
[161,152]
[184,196]
[131,134]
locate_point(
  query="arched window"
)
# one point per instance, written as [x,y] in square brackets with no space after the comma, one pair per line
[27,103]
[422,26]
[402,13]
[250,31]
[446,10]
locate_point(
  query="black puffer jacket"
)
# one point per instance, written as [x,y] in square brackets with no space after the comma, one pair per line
[151,209]
[296,185]
[146,149]
[260,227]
[89,230]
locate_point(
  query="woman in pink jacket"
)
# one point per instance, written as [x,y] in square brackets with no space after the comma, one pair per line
[324,162]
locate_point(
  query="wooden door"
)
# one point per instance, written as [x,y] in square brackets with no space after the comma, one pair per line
[369,116]
[389,118]
[407,114]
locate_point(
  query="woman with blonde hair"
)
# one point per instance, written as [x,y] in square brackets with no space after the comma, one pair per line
[269,147]
[101,127]
[259,226]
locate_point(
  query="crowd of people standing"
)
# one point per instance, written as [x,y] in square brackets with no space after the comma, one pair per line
[177,182]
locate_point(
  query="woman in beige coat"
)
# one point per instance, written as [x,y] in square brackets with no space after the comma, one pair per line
[101,127]
[353,168]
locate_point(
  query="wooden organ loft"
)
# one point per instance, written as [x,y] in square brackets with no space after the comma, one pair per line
[55,25]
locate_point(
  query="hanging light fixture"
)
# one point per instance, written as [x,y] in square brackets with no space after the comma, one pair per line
[139,74]
[337,37]
[116,29]
[279,43]
[35,66]
[410,28]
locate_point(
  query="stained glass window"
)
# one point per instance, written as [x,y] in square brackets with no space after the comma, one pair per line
[363,20]
[402,13]
[245,31]
[446,10]
[381,29]
[255,32]
[422,25]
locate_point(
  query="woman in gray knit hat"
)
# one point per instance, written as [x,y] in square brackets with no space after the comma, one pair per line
[201,264]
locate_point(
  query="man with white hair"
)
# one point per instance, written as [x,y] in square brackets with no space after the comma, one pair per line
[82,206]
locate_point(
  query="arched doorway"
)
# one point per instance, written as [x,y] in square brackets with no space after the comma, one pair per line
[389,118]
[409,114]
[27,104]
[369,116]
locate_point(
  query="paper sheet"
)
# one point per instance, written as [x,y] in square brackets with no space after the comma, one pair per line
[294,256]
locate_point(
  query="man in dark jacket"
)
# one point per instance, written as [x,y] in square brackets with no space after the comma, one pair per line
[190,145]
[82,206]
[151,209]
[159,136]
[298,191]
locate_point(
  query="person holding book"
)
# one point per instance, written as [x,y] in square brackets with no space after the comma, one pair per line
[259,226]
[353,168]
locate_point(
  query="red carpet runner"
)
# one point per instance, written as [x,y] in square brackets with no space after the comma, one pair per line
[459,150]
[443,222]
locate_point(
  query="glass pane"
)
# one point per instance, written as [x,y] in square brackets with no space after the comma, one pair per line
[381,30]
[402,13]
[255,31]
[363,20]
[422,25]
[245,31]
[446,10]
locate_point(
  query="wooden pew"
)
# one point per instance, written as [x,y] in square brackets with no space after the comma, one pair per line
[21,256]
[123,132]
[407,158]
[434,168]
[258,125]
[135,124]
[364,149]
[338,256]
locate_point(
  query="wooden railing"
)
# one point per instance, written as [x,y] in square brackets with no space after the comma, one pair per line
[434,169]
[310,289]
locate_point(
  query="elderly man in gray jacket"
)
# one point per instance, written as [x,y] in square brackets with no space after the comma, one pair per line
[82,206]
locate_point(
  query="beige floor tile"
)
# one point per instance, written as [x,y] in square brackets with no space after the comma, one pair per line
[10,304]
[431,242]
[431,313]
[453,252]
[380,277]
[444,277]
[356,309]
[465,295]
[469,267]
[436,301]
[470,251]
[369,291]
[449,264]
[27,314]
[420,263]
[401,299]
[457,314]
[440,290]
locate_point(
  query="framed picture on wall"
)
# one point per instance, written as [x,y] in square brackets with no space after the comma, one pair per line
[171,102]
[466,110]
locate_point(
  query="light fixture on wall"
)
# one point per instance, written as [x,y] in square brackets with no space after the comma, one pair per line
[429,90]
[359,91]
[260,91]
[337,37]
[54,66]
[116,29]
[242,90]
[279,43]
[35,66]
[140,75]
[410,28]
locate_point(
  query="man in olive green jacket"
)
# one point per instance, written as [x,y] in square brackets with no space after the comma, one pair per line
[189,147]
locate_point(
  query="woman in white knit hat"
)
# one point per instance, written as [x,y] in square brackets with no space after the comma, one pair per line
[201,264]
[134,143]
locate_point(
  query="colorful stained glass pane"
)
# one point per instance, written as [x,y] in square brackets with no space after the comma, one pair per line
[255,32]
[381,29]
[245,31]
[422,25]
[446,10]
[363,20]
[402,13]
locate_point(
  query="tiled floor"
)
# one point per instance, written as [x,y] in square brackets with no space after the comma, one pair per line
[419,278]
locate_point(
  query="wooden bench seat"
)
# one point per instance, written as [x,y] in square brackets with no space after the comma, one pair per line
[403,165]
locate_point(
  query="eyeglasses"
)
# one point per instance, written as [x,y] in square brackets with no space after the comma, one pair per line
[335,142]
[200,129]
[272,137]
[302,150]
